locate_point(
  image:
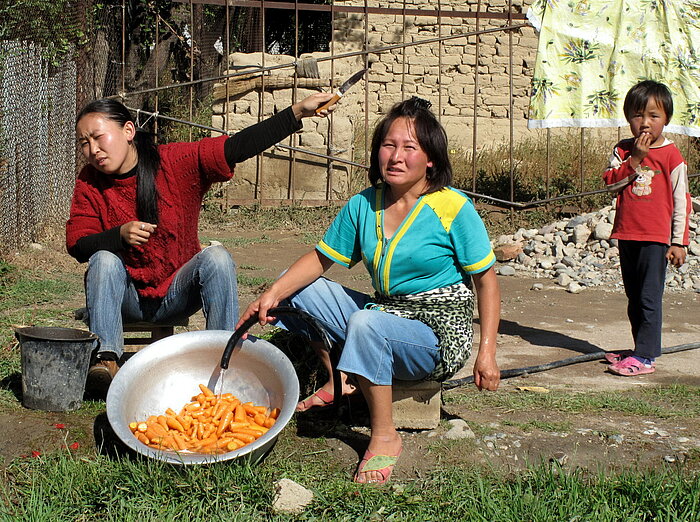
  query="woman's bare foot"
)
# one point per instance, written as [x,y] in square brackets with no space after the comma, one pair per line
[378,462]
[324,396]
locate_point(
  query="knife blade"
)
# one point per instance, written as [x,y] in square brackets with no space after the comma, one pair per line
[342,90]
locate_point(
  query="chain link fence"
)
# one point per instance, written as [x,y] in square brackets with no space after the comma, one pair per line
[37,151]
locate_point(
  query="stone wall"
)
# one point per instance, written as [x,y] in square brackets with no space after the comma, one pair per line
[444,73]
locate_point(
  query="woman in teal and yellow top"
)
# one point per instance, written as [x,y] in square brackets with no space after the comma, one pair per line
[424,245]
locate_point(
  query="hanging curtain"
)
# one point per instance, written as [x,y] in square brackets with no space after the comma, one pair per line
[592,51]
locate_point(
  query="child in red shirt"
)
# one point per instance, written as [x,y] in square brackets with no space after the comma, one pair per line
[649,176]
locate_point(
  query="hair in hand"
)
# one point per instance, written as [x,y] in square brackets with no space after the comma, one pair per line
[430,134]
[148,161]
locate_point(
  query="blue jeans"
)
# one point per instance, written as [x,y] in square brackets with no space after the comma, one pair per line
[207,281]
[376,345]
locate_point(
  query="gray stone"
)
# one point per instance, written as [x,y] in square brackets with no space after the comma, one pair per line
[581,234]
[459,430]
[506,270]
[577,220]
[537,287]
[574,288]
[546,264]
[569,250]
[290,497]
[602,231]
[563,280]
[569,261]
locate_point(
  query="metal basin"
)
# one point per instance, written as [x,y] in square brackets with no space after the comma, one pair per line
[167,373]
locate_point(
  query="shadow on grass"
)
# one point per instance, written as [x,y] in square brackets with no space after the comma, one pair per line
[330,421]
[13,384]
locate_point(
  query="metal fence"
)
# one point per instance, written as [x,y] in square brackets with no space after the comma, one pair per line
[165,66]
[37,151]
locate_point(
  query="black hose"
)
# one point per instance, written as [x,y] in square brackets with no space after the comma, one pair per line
[515,372]
[328,345]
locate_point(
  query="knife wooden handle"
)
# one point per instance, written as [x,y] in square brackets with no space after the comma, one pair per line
[330,102]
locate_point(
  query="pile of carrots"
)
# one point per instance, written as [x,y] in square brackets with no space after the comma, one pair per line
[209,424]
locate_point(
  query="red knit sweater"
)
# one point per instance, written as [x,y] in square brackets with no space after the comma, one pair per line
[187,171]
[653,202]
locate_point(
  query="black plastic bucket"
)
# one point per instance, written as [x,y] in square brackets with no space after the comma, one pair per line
[55,363]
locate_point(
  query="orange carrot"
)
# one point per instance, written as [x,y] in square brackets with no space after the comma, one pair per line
[226,419]
[206,391]
[175,424]
[239,414]
[163,421]
[245,437]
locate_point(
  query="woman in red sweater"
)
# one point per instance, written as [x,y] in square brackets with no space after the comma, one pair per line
[134,219]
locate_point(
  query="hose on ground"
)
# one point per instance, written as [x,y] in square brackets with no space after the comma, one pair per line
[593,356]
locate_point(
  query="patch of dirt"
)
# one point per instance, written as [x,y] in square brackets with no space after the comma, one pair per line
[537,327]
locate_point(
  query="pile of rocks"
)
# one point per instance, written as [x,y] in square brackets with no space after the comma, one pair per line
[579,253]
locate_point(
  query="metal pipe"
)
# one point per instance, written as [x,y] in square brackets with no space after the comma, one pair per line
[592,356]
[321,59]
[476,93]
[511,134]
[355,9]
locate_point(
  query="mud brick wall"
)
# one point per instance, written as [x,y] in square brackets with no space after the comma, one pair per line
[444,73]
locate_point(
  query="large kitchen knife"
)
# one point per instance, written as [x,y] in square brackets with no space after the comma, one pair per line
[342,90]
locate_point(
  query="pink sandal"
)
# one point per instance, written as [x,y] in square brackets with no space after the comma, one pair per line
[629,367]
[616,357]
[383,464]
[322,395]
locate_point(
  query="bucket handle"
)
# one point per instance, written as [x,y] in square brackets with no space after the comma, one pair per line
[328,345]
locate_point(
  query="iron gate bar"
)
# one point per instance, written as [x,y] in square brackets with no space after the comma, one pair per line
[322,59]
[361,10]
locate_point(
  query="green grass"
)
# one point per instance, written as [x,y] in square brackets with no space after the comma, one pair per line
[532,425]
[64,486]
[28,298]
[291,218]
[659,401]
[256,281]
[237,242]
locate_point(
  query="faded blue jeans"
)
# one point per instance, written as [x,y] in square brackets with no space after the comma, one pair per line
[376,345]
[207,281]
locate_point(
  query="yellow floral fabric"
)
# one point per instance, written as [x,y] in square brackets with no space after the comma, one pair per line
[592,51]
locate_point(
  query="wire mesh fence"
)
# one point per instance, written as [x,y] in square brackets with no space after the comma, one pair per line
[37,152]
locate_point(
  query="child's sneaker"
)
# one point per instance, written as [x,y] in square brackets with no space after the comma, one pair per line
[616,357]
[630,366]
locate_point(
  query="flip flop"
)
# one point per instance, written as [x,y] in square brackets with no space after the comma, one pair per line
[616,357]
[325,398]
[629,367]
[384,464]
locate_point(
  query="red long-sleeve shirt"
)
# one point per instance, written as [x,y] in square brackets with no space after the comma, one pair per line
[186,172]
[653,202]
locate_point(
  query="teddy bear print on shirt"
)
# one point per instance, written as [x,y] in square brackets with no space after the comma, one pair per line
[642,185]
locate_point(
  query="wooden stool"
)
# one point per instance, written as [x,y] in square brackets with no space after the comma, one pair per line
[155,331]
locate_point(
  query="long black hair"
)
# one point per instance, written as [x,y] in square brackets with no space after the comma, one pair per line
[148,161]
[431,137]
